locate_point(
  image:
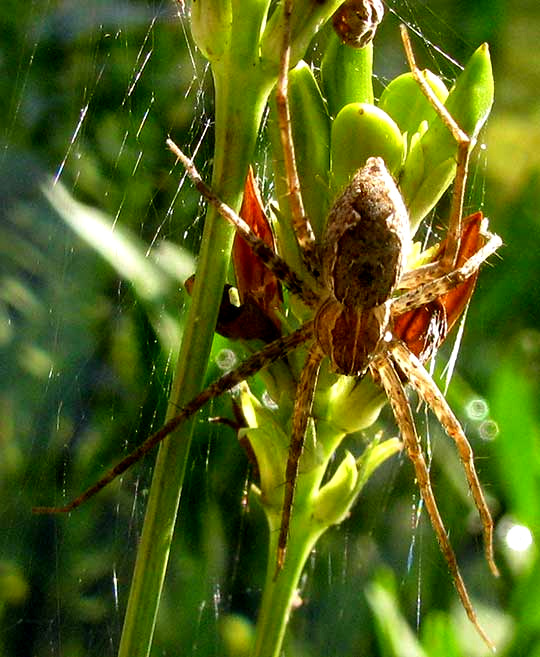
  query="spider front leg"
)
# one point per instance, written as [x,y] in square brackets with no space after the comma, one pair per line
[463,143]
[308,380]
[270,259]
[383,367]
[424,289]
[263,358]
[301,224]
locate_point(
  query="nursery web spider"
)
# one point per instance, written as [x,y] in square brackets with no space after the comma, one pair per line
[356,272]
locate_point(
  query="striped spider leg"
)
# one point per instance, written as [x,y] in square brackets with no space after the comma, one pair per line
[394,363]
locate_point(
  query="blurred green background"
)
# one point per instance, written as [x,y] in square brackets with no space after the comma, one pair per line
[91,308]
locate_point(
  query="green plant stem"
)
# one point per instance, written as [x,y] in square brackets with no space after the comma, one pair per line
[304,531]
[239,107]
[280,593]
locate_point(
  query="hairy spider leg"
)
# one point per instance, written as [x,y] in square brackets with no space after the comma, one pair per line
[303,404]
[424,292]
[464,144]
[275,264]
[263,358]
[308,380]
[301,224]
[432,396]
[402,412]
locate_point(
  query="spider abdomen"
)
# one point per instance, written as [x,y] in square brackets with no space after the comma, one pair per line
[364,244]
[349,337]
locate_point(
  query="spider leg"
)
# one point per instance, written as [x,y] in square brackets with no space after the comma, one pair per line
[463,142]
[271,260]
[402,412]
[432,289]
[302,410]
[266,356]
[302,226]
[430,393]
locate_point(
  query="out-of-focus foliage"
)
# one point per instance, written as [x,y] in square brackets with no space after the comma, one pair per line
[84,362]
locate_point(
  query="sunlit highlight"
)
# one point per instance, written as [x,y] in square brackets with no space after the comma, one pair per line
[518,538]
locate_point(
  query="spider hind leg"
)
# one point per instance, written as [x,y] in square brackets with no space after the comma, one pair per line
[432,396]
[395,392]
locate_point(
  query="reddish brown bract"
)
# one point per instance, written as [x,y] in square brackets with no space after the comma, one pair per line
[424,329]
[253,278]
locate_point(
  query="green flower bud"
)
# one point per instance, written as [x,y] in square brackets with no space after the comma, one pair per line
[469,101]
[405,102]
[211,23]
[360,131]
[311,135]
[333,501]
[353,406]
[346,74]
[270,445]
[375,455]
[433,184]
[228,34]
[336,497]
[306,19]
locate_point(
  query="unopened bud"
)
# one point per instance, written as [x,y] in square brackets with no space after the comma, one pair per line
[356,21]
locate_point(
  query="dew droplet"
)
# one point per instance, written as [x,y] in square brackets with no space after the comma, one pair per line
[477,409]
[226,359]
[488,430]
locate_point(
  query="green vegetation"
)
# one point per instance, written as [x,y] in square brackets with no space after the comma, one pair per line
[90,321]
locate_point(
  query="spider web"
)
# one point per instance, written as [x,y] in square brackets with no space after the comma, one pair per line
[92,309]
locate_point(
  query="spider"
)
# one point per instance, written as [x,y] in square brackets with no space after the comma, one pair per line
[356,288]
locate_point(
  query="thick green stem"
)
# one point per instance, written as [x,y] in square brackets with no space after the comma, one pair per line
[239,107]
[280,592]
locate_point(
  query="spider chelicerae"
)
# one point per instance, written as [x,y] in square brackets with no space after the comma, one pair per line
[355,295]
